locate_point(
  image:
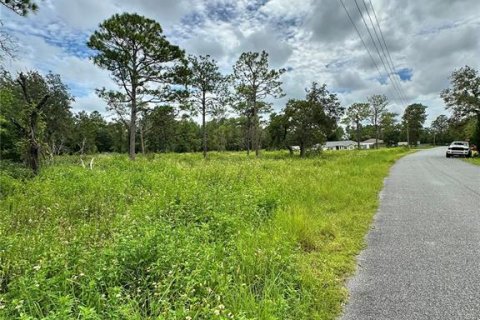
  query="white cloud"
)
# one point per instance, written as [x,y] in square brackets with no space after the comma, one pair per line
[314,39]
[89,103]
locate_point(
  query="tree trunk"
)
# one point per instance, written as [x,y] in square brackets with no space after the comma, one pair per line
[290,150]
[476,136]
[142,141]
[376,136]
[255,138]
[204,128]
[302,150]
[358,135]
[133,129]
[408,134]
[248,136]
[34,152]
[30,130]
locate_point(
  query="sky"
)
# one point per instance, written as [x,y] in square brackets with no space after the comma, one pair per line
[313,40]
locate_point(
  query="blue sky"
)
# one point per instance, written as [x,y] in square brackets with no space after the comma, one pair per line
[314,40]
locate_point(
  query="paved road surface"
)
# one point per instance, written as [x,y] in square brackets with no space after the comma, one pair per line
[422,259]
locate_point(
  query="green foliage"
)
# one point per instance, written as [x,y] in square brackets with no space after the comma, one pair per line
[463,98]
[53,121]
[142,62]
[378,106]
[20,7]
[175,237]
[90,133]
[330,104]
[208,91]
[254,81]
[440,128]
[356,114]
[413,119]
[306,124]
[390,129]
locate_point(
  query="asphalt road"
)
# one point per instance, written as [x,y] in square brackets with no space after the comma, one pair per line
[422,259]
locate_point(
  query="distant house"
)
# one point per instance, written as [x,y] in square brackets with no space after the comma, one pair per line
[370,144]
[339,145]
[402,143]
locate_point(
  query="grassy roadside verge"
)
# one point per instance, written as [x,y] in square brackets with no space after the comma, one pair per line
[176,237]
[473,161]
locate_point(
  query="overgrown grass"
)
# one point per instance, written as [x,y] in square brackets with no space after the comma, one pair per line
[473,160]
[177,237]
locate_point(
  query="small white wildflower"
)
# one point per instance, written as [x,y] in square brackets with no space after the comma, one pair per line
[36,268]
[188,318]
[217,312]
[221,307]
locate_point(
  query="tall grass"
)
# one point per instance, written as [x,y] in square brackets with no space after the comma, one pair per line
[178,237]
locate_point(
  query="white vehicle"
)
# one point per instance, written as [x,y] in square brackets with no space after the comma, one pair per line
[458,148]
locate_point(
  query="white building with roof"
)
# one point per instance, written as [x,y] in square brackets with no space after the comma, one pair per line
[339,145]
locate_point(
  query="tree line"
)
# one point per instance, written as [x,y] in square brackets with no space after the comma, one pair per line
[161,91]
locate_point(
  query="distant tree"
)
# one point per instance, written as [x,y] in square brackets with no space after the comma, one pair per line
[378,105]
[118,136]
[339,133]
[57,115]
[355,115]
[440,128]
[413,119]
[91,134]
[277,131]
[254,81]
[9,133]
[463,97]
[187,135]
[162,127]
[208,90]
[226,133]
[32,95]
[330,104]
[45,128]
[141,60]
[390,128]
[306,121]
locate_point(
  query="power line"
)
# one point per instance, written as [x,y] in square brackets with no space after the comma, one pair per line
[378,51]
[361,38]
[394,79]
[383,38]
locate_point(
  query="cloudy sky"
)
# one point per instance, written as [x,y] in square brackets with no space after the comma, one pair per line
[313,40]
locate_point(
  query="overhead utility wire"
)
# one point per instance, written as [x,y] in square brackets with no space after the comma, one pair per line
[393,78]
[378,51]
[361,38]
[383,38]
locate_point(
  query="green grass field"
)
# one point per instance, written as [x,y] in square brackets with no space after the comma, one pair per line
[177,237]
